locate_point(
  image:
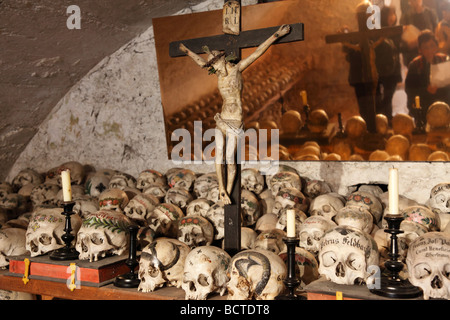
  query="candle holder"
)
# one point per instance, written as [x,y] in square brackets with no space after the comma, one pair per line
[391,285]
[130,279]
[291,282]
[67,252]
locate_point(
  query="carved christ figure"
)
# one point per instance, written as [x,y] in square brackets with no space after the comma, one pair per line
[229,122]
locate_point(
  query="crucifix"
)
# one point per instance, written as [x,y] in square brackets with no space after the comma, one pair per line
[365,41]
[224,60]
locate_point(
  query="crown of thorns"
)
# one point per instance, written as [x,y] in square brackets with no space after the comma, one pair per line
[216,57]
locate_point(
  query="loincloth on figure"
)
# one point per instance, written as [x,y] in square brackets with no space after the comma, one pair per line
[229,126]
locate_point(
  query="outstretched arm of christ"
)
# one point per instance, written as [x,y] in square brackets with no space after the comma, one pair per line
[282,31]
[198,60]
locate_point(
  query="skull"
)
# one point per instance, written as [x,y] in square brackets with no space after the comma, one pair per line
[183,178]
[45,229]
[198,207]
[248,237]
[140,208]
[283,180]
[314,188]
[145,236]
[77,173]
[205,272]
[252,180]
[195,231]
[44,194]
[150,178]
[266,222]
[113,199]
[162,262]
[281,168]
[5,188]
[157,190]
[12,243]
[312,231]
[216,214]
[346,254]
[355,216]
[428,262]
[26,176]
[307,269]
[289,198]
[423,216]
[14,204]
[267,201]
[179,197]
[103,233]
[85,205]
[249,208]
[207,186]
[326,205]
[96,184]
[271,240]
[440,201]
[121,180]
[367,200]
[164,219]
[256,274]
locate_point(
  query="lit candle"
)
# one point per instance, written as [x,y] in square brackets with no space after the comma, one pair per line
[304,97]
[66,185]
[290,223]
[393,191]
[417,102]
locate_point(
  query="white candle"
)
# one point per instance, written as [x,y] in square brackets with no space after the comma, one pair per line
[290,223]
[66,185]
[393,191]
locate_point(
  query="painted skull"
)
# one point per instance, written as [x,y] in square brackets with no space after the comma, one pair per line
[283,180]
[96,184]
[271,240]
[121,180]
[179,197]
[162,263]
[195,231]
[326,205]
[45,229]
[422,215]
[428,262]
[207,186]
[164,219]
[312,231]
[250,209]
[289,198]
[355,216]
[140,208]
[103,233]
[252,180]
[198,207]
[205,272]
[369,201]
[314,188]
[346,254]
[150,178]
[182,178]
[256,274]
[307,267]
[439,202]
[113,199]
[44,194]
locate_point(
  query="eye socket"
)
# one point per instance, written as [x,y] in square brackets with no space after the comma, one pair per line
[45,239]
[355,262]
[96,239]
[203,280]
[446,271]
[329,259]
[440,198]
[422,270]
[153,272]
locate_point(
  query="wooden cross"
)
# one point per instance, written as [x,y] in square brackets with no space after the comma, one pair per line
[232,42]
[369,73]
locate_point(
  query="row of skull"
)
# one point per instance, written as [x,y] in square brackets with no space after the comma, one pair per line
[269,207]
